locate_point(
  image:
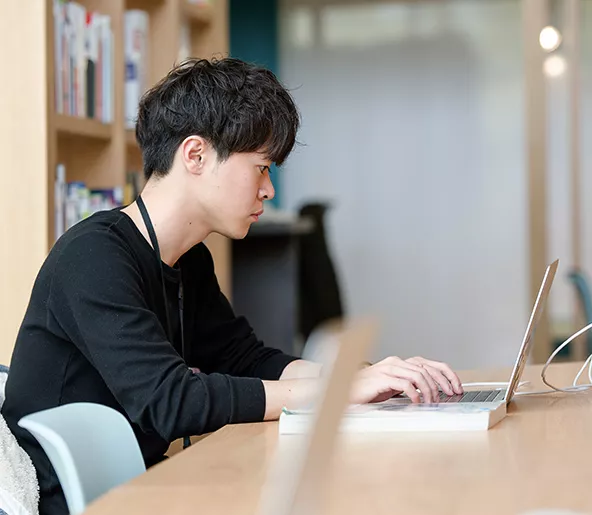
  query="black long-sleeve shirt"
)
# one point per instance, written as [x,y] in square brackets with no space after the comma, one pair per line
[95,330]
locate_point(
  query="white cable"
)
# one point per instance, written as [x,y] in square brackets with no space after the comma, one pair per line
[568,389]
[575,387]
[554,389]
[575,382]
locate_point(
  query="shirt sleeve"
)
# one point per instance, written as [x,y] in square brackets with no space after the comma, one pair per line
[97,300]
[227,343]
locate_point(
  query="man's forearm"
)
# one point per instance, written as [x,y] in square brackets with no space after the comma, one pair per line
[299,383]
[301,369]
[296,388]
[290,393]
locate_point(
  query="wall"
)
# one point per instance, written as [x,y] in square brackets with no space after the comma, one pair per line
[254,38]
[413,125]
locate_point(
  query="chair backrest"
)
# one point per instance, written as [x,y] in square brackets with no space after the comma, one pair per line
[91,447]
[580,281]
[320,298]
[3,378]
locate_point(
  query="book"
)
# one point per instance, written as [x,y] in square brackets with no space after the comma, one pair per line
[60,192]
[83,49]
[74,201]
[136,27]
[393,416]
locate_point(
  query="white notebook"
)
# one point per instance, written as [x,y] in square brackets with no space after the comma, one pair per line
[391,416]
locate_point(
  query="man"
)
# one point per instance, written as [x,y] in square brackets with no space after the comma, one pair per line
[126,310]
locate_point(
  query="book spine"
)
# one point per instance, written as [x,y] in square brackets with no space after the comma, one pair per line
[185,42]
[60,201]
[107,82]
[81,60]
[135,47]
[91,64]
[67,59]
[97,22]
[58,28]
[64,63]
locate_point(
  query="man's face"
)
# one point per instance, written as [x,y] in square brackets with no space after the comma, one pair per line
[234,192]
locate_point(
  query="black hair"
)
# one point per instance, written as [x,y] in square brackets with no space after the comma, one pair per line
[236,106]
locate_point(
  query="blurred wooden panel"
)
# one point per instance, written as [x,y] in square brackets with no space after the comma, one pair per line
[535,16]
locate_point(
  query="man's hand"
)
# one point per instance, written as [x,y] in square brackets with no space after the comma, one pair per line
[441,373]
[375,383]
[393,376]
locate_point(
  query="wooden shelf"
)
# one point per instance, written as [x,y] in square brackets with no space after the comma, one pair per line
[94,152]
[196,13]
[83,127]
[130,138]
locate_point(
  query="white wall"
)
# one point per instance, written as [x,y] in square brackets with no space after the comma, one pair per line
[413,127]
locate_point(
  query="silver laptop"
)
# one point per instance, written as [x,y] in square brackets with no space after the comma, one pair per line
[506,394]
[296,480]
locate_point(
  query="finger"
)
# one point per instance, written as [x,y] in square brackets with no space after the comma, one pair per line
[440,379]
[405,386]
[416,377]
[421,370]
[447,371]
[428,377]
[451,376]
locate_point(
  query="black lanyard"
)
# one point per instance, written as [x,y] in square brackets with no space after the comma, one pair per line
[154,240]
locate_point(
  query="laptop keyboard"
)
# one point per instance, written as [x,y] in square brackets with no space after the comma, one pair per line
[474,396]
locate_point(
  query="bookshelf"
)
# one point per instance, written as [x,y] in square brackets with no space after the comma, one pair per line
[198,14]
[34,138]
[82,127]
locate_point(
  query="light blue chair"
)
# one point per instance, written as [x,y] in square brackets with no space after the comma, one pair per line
[3,378]
[91,447]
[580,281]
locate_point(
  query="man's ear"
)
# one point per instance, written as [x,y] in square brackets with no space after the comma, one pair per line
[194,154]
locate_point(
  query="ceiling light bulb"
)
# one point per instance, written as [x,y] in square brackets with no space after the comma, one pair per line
[549,38]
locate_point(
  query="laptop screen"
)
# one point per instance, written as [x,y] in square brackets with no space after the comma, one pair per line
[530,329]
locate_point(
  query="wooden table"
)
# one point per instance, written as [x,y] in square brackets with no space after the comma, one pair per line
[539,456]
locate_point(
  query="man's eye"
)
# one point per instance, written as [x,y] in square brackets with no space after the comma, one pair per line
[263,168]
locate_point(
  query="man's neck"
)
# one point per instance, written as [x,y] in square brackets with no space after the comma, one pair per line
[175,229]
